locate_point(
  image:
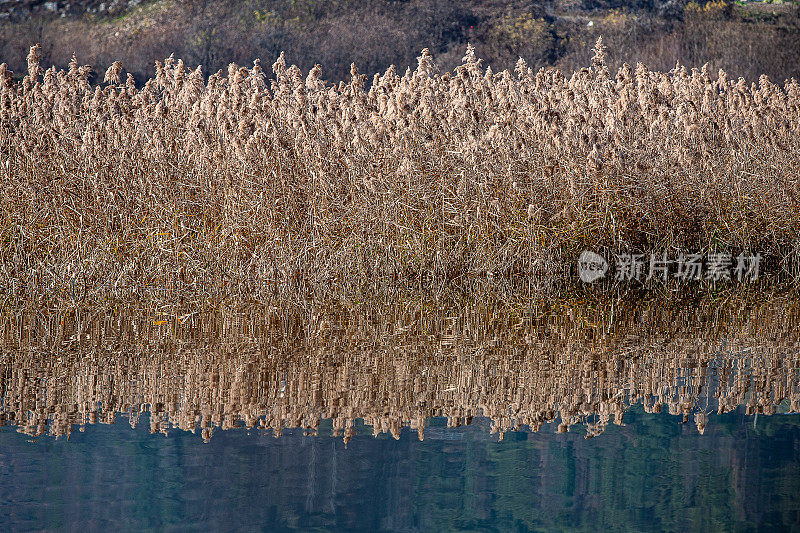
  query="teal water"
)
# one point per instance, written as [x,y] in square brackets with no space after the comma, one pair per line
[694,412]
[652,474]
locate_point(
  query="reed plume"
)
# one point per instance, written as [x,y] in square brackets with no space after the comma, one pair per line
[238,183]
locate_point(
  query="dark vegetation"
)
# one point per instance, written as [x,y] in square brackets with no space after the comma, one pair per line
[744,39]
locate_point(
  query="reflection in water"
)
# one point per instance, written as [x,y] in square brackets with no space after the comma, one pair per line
[400,365]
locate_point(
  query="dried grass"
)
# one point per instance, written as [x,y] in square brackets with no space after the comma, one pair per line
[243,184]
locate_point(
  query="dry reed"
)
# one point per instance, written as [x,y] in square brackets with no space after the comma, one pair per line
[243,184]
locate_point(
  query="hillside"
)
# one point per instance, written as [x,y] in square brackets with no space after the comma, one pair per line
[745,39]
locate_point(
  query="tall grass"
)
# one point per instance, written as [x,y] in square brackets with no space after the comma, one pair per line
[244,183]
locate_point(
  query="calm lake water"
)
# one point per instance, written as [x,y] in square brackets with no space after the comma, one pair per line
[414,416]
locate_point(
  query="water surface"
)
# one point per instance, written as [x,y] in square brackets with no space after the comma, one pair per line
[415,416]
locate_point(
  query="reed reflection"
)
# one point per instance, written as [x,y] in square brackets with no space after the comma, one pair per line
[397,365]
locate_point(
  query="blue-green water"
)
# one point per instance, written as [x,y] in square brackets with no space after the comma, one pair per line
[652,474]
[647,381]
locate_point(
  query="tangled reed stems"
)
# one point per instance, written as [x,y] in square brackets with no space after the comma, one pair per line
[243,184]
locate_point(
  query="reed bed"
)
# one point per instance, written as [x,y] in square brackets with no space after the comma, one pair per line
[250,184]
